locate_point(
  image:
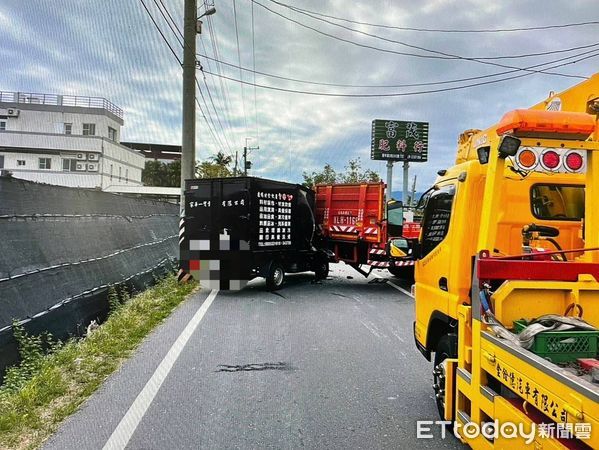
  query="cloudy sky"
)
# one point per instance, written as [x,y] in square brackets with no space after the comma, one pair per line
[111,49]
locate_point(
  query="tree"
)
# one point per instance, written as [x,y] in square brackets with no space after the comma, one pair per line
[221,160]
[157,173]
[353,174]
[207,169]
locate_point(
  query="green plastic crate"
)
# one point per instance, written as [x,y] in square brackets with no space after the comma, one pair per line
[562,346]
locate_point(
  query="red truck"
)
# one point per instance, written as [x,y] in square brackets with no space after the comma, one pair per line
[359,227]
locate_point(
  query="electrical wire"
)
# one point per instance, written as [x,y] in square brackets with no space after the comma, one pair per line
[239,59]
[375,86]
[525,55]
[400,94]
[180,64]
[166,15]
[161,33]
[223,88]
[254,72]
[445,30]
[436,54]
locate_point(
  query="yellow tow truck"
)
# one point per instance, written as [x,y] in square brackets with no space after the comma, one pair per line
[507,278]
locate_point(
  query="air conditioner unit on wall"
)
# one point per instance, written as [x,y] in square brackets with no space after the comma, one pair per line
[92,167]
[81,156]
[11,112]
[80,167]
[93,157]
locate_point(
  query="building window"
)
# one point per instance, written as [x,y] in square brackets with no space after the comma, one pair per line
[69,165]
[89,129]
[111,134]
[2,125]
[20,162]
[111,172]
[1,161]
[126,175]
[45,163]
[120,170]
[68,128]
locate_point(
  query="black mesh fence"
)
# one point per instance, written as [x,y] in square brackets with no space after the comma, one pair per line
[62,248]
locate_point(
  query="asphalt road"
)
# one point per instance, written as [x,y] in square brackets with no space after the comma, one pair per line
[330,365]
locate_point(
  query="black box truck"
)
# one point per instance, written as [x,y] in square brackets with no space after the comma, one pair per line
[236,229]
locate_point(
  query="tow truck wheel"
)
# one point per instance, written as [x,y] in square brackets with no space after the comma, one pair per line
[446,348]
[275,276]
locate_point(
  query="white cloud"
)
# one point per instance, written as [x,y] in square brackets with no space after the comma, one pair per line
[111,49]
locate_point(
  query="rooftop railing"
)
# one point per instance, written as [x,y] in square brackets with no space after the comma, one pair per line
[60,100]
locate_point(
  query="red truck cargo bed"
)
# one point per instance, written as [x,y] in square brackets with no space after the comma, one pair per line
[352,212]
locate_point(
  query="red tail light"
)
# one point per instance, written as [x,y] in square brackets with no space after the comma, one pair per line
[550,159]
[574,161]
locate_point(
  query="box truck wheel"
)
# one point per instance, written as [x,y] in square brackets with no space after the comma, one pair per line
[275,276]
[321,268]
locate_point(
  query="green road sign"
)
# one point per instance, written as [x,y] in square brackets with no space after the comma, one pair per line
[399,140]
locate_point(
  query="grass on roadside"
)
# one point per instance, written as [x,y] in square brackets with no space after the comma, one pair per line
[50,387]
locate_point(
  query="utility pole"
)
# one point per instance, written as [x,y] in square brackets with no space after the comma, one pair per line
[247,166]
[188,148]
[412,199]
[389,179]
[406,165]
[235,169]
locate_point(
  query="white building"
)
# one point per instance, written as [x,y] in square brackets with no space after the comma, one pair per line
[65,140]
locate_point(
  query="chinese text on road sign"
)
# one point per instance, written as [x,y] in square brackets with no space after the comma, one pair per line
[399,140]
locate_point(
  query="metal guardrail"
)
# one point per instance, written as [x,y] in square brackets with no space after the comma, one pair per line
[60,100]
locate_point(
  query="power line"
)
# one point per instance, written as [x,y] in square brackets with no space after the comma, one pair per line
[166,15]
[254,66]
[161,33]
[377,86]
[476,58]
[239,59]
[180,64]
[444,30]
[437,54]
[399,94]
[216,51]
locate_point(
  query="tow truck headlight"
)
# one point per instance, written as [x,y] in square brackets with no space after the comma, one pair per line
[509,146]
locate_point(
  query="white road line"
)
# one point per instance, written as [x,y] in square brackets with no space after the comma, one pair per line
[126,427]
[391,283]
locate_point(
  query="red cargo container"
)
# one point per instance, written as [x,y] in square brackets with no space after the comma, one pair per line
[352,212]
[353,224]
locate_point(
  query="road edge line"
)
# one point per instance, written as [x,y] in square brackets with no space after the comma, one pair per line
[122,433]
[400,289]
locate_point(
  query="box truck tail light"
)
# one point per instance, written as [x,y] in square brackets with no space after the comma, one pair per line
[550,160]
[526,122]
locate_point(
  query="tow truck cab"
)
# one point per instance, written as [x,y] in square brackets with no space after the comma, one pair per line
[515,218]
[450,232]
